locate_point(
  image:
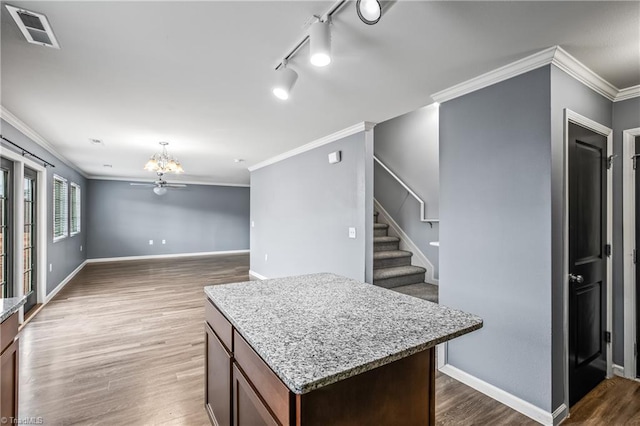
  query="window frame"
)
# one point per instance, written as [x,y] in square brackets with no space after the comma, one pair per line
[64,220]
[75,209]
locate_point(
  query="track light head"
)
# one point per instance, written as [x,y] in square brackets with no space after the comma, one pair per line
[369,11]
[285,80]
[320,43]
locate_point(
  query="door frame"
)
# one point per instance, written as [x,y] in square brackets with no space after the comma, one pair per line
[41,235]
[629,241]
[573,117]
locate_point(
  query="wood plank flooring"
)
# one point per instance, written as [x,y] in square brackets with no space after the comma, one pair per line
[122,344]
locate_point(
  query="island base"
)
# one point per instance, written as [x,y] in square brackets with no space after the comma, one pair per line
[399,393]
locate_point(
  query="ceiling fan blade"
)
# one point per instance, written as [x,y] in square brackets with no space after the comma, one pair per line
[175,185]
[141,184]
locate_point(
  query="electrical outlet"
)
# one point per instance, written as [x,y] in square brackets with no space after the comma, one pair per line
[164,241]
[50,267]
[266,257]
[80,248]
[253,224]
[352,232]
[150,242]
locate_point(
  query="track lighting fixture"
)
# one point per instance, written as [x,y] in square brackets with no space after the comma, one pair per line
[320,42]
[285,80]
[369,11]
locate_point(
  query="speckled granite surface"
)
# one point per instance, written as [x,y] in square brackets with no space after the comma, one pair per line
[314,330]
[10,305]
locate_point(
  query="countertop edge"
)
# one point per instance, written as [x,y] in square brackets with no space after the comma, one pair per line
[13,308]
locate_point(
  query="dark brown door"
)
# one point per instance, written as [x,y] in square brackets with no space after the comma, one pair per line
[6,242]
[30,273]
[637,170]
[587,260]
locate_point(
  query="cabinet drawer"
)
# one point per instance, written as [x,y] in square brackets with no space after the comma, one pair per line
[8,331]
[219,324]
[275,393]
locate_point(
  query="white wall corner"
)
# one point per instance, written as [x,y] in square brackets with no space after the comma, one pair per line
[618,370]
[23,128]
[533,412]
[257,275]
[352,130]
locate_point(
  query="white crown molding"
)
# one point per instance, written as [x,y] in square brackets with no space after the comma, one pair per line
[360,127]
[186,182]
[23,128]
[555,55]
[628,93]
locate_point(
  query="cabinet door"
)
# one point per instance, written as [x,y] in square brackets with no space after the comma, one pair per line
[9,381]
[218,379]
[248,408]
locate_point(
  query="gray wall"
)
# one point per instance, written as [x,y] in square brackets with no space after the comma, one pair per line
[408,145]
[495,232]
[626,115]
[303,206]
[199,218]
[64,256]
[566,92]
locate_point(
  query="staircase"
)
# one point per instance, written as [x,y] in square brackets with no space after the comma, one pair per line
[392,267]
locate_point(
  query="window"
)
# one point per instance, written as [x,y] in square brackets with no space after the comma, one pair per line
[60,208]
[75,208]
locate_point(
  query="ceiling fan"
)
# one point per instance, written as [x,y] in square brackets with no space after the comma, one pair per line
[160,186]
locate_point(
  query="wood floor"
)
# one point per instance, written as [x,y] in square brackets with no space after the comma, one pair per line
[122,344]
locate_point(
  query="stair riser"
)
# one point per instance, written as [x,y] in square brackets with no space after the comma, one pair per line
[380,232]
[400,281]
[389,263]
[386,246]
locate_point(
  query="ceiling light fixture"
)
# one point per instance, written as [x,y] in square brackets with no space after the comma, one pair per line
[162,162]
[369,11]
[285,80]
[320,43]
[160,190]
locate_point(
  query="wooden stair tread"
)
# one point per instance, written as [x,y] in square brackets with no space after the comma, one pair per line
[397,271]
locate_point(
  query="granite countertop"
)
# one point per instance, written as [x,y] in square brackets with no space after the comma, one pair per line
[314,330]
[10,305]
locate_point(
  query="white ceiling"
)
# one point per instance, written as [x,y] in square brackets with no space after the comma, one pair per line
[199,74]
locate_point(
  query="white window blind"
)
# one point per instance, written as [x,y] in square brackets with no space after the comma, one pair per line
[75,208]
[60,208]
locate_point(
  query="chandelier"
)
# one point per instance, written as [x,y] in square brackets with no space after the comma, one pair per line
[162,162]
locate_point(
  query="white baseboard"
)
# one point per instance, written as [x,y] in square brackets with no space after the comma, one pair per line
[165,256]
[257,275]
[512,401]
[64,282]
[406,244]
[618,370]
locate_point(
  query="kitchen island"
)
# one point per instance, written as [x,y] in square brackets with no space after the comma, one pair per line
[323,349]
[9,357]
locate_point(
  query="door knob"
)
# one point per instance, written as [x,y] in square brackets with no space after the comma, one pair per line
[576,278]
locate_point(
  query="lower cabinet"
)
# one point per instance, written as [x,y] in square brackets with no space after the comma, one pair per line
[248,408]
[9,368]
[218,379]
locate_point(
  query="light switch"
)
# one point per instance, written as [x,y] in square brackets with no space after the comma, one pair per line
[352,232]
[164,241]
[150,242]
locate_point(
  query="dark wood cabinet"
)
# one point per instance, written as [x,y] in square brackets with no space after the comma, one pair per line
[218,376]
[9,368]
[248,407]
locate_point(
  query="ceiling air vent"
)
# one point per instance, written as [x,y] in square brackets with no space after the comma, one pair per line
[34,26]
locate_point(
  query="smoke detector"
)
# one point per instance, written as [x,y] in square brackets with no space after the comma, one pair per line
[34,26]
